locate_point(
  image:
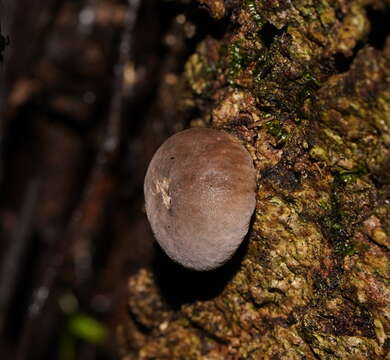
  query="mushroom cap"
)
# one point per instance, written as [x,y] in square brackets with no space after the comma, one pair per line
[200,196]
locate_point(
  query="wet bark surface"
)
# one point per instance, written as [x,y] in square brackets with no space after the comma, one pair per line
[305,86]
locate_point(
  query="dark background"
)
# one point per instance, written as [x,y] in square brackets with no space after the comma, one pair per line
[88,91]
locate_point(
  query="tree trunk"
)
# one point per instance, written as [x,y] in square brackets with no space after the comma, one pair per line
[305,85]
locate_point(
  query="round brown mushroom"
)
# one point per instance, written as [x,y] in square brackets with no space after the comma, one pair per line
[200,196]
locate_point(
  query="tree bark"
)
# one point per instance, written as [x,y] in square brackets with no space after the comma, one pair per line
[305,85]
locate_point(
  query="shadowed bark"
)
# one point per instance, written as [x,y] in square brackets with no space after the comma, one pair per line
[305,85]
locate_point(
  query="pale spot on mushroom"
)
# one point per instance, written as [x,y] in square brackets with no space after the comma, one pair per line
[162,187]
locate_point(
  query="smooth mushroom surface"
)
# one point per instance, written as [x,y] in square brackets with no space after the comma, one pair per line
[200,196]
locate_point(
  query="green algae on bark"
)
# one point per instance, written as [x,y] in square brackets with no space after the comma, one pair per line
[298,83]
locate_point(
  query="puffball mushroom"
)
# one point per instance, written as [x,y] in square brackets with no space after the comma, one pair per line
[200,196]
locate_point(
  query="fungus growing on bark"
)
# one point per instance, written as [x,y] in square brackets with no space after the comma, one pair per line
[200,196]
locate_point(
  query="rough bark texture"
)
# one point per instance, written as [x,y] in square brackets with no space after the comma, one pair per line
[305,85]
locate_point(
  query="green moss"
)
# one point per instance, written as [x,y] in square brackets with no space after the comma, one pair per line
[311,81]
[236,63]
[276,129]
[335,223]
[310,85]
[251,6]
[350,176]
[265,115]
[359,248]
[238,59]
[324,205]
[345,248]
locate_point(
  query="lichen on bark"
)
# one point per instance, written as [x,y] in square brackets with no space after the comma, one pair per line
[306,88]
